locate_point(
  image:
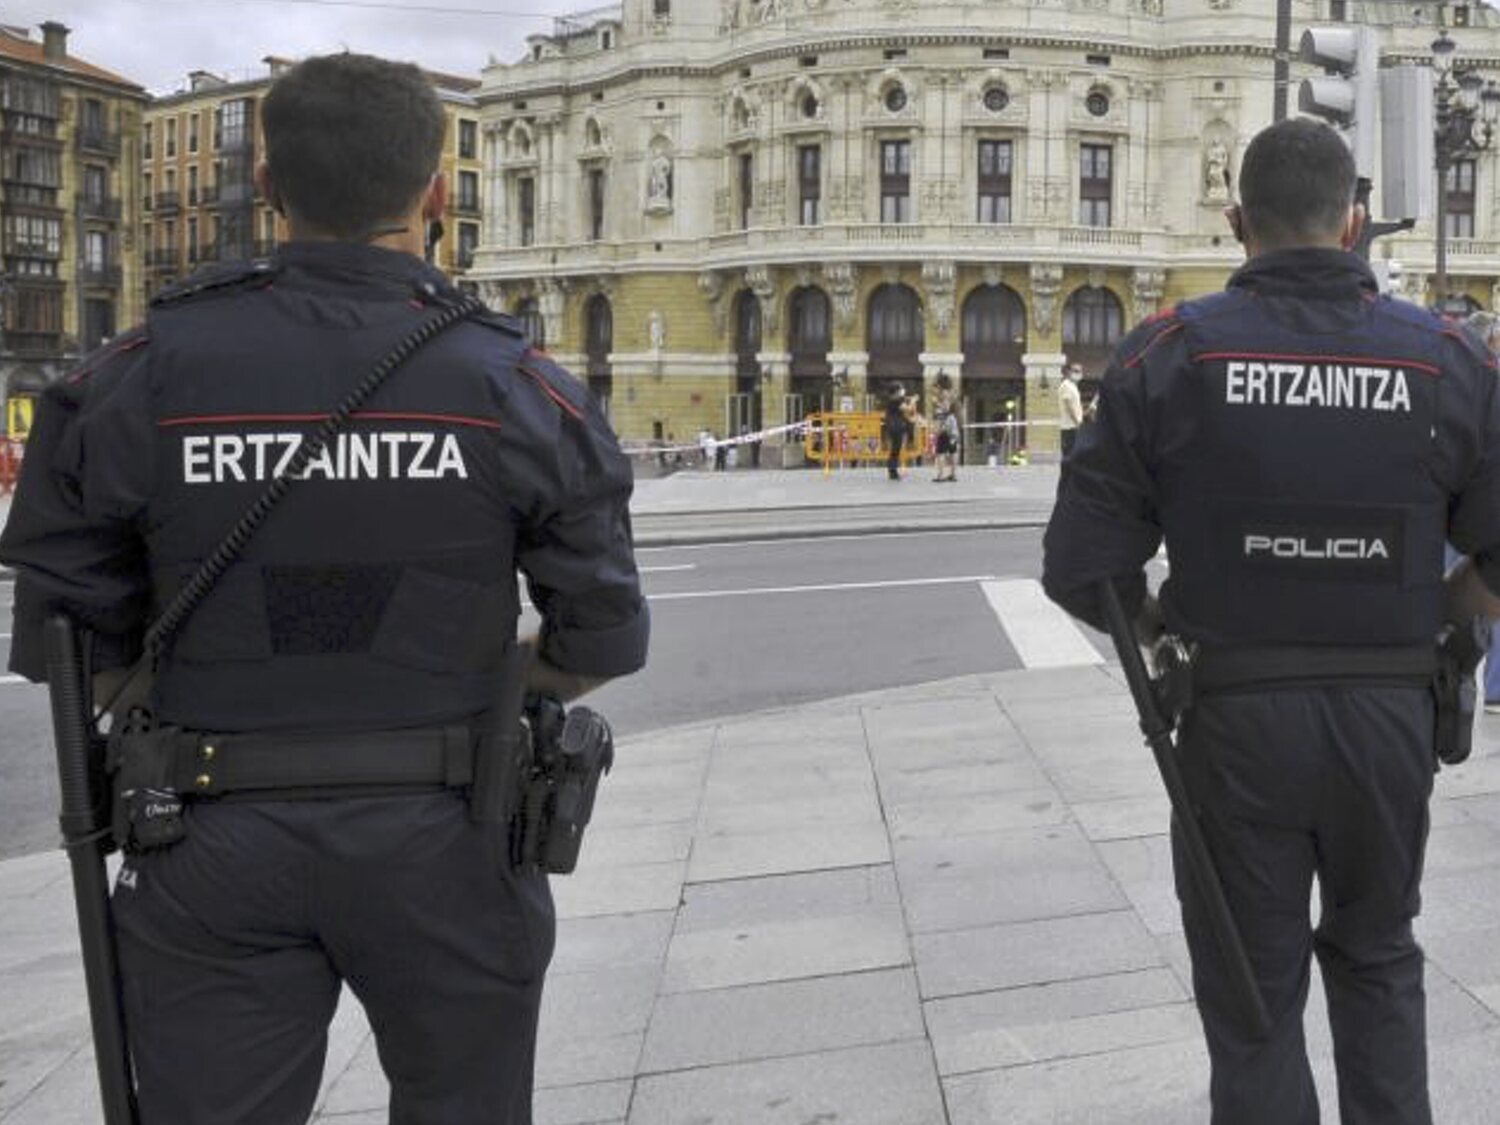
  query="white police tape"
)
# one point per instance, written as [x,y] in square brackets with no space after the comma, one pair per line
[651,449]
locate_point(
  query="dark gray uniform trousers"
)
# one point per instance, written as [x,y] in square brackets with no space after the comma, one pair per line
[1331,781]
[233,944]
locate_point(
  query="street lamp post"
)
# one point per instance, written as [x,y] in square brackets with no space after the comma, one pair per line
[1465,110]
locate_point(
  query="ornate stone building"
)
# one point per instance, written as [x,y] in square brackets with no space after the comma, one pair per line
[199,152]
[729,212]
[69,208]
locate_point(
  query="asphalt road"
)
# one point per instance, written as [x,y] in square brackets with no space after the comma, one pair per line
[736,628]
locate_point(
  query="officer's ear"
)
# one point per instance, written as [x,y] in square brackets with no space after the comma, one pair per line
[1236,219]
[1354,226]
[435,198]
[267,188]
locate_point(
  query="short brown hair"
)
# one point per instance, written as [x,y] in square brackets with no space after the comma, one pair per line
[351,140]
[1296,183]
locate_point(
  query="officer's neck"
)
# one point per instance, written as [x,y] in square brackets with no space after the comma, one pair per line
[403,235]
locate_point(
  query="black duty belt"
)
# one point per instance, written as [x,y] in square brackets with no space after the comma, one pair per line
[208,765]
[1287,666]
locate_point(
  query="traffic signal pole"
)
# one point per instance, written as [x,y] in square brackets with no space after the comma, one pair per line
[1283,72]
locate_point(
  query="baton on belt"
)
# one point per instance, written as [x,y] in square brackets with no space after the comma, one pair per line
[1158,732]
[84,821]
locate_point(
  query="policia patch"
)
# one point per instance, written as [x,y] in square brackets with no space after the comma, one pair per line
[1303,542]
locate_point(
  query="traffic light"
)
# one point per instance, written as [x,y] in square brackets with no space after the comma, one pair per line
[1346,94]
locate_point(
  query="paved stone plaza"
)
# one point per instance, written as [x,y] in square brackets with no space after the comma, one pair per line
[948,903]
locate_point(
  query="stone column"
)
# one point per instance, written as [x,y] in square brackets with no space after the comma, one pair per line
[1043,373]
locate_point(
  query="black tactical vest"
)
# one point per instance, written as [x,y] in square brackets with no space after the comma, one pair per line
[381,592]
[1295,473]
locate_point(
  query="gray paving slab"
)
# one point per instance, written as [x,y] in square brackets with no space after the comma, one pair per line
[1052,949]
[764,1021]
[721,854]
[597,1103]
[985,1030]
[890,1084]
[633,889]
[980,814]
[1161,1084]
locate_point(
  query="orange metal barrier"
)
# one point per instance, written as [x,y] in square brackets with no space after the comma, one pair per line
[835,440]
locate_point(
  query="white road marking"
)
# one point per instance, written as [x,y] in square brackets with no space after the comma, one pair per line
[1043,635]
[802,539]
[825,588]
[664,569]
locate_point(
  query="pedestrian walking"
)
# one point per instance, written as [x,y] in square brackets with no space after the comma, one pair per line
[896,429]
[945,456]
[1304,446]
[334,683]
[1069,407]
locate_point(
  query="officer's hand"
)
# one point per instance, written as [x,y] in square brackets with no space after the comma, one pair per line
[1149,623]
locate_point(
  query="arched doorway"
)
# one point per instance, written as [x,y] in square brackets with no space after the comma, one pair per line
[530,316]
[994,339]
[809,338]
[599,341]
[1092,324]
[895,340]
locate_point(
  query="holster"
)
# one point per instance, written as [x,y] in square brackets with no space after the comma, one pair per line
[1460,650]
[147,804]
[571,751]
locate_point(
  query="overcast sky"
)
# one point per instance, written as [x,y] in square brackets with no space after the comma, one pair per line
[156,42]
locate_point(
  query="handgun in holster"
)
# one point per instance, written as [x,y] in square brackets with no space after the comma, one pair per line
[1460,650]
[571,751]
[536,772]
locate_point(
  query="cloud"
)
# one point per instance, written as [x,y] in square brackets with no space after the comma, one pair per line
[157,42]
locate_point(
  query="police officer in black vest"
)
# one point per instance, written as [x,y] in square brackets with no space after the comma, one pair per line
[1304,446]
[355,640]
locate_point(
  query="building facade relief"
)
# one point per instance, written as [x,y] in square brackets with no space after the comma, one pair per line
[1020,191]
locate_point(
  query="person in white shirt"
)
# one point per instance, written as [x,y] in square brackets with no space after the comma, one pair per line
[1069,406]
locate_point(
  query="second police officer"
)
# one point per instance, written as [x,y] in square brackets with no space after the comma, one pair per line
[339,672]
[1304,446]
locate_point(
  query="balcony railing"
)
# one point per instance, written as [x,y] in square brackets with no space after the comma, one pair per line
[167,201]
[108,209]
[466,207]
[161,259]
[22,342]
[465,259]
[208,193]
[14,127]
[30,194]
[92,273]
[98,140]
[20,248]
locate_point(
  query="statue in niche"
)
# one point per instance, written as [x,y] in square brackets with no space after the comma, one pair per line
[1216,172]
[659,183]
[656,330]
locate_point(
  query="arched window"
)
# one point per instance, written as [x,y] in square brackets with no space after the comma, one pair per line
[599,341]
[530,317]
[807,330]
[1091,326]
[994,325]
[895,337]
